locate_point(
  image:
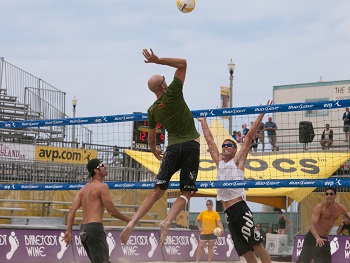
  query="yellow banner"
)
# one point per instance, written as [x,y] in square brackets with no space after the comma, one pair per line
[225,97]
[311,165]
[64,155]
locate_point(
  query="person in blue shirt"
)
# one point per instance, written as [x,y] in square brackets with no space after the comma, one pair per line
[271,128]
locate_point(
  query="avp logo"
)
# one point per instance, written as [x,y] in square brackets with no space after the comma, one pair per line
[338,182]
[207,113]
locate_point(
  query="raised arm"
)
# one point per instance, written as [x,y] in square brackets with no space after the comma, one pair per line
[179,63]
[213,148]
[241,156]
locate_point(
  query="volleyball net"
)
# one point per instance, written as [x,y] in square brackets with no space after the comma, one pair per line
[41,155]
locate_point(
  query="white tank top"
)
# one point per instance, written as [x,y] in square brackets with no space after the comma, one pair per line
[229,171]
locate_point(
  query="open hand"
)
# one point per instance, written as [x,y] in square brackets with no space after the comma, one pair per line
[150,57]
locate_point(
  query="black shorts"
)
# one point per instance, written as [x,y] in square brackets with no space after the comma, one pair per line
[242,228]
[311,251]
[207,237]
[93,237]
[184,156]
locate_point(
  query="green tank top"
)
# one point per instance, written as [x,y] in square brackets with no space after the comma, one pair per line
[172,112]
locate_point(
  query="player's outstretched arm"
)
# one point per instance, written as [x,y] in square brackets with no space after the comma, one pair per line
[179,63]
[213,149]
[241,156]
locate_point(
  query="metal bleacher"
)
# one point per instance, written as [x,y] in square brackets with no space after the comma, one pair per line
[12,110]
[26,97]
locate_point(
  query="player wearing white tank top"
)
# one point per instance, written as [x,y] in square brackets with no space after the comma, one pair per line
[230,165]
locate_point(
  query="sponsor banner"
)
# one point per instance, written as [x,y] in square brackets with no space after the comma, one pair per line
[42,245]
[254,184]
[16,151]
[182,246]
[340,248]
[315,165]
[64,155]
[331,104]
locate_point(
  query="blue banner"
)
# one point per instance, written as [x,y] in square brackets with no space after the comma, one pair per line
[324,105]
[338,182]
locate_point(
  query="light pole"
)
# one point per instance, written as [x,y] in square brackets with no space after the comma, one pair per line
[74,103]
[231,68]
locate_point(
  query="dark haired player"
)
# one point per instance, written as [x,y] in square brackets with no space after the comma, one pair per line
[316,245]
[230,165]
[94,197]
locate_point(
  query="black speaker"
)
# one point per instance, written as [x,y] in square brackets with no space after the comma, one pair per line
[306,132]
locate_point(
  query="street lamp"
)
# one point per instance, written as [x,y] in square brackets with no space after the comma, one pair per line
[231,68]
[74,103]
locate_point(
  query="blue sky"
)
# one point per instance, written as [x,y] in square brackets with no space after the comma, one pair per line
[92,49]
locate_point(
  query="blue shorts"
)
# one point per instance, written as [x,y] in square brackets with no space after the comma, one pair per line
[182,156]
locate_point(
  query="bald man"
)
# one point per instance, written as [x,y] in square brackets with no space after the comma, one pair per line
[182,153]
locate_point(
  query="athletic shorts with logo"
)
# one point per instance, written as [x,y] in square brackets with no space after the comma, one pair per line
[242,228]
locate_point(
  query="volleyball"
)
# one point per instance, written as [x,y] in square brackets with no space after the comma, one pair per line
[186,6]
[217,231]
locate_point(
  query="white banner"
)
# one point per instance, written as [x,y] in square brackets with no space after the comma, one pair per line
[17,151]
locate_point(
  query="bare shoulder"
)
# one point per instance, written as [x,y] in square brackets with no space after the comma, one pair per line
[319,207]
[102,186]
[96,187]
[342,209]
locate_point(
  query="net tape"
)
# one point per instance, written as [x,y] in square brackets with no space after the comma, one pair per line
[302,183]
[323,105]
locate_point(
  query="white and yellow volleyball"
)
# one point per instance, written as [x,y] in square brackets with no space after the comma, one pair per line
[186,6]
[217,231]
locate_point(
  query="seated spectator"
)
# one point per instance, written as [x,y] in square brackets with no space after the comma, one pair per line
[326,138]
[344,227]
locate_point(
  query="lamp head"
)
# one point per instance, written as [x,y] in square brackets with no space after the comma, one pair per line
[74,102]
[231,66]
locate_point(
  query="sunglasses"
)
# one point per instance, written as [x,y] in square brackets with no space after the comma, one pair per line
[100,165]
[162,81]
[329,194]
[209,204]
[226,145]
